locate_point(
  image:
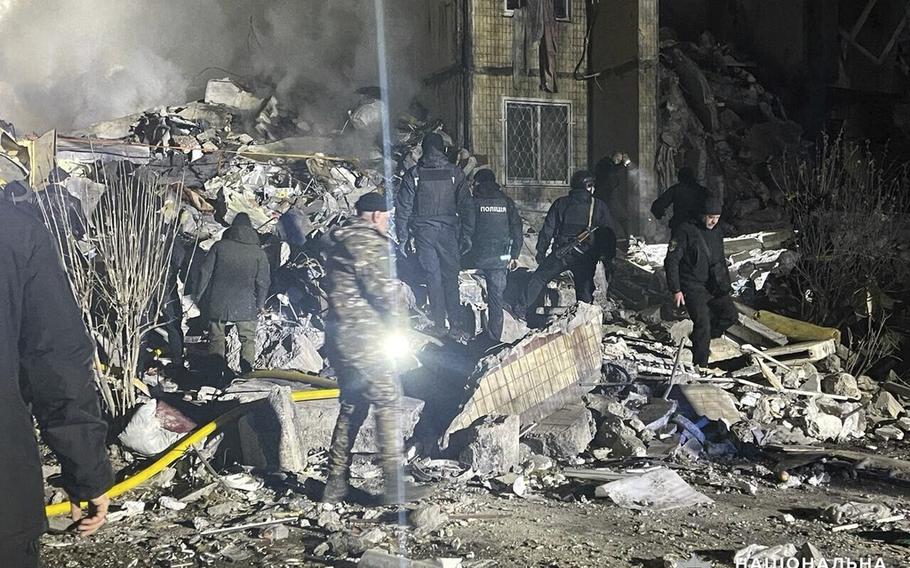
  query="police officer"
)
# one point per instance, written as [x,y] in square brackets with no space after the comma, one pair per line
[697,277]
[687,198]
[361,297]
[567,220]
[433,209]
[496,243]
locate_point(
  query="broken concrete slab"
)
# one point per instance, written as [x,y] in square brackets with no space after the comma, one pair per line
[564,434]
[657,412]
[711,402]
[490,447]
[659,490]
[537,376]
[756,333]
[226,92]
[806,352]
[886,405]
[265,431]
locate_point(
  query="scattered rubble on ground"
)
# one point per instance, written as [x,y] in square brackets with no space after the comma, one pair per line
[576,413]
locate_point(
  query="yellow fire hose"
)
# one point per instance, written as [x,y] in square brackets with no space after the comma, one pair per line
[178,449]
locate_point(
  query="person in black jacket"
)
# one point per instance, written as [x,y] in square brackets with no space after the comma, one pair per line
[496,243]
[697,277]
[687,198]
[233,287]
[433,208]
[46,362]
[567,219]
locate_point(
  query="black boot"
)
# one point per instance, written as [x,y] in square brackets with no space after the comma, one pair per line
[336,488]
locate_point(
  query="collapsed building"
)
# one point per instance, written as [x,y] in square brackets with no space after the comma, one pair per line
[598,395]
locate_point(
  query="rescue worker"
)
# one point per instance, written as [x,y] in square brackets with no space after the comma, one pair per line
[609,175]
[233,287]
[46,372]
[433,208]
[697,277]
[568,219]
[496,243]
[686,196]
[362,309]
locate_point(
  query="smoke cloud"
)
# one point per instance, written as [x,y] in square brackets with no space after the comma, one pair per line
[68,64]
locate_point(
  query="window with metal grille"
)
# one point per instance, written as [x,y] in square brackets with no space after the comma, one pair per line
[537,142]
[563,8]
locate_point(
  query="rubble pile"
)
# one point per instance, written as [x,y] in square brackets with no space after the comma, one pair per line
[716,118]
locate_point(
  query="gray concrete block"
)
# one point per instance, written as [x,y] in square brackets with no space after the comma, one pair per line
[563,434]
[490,446]
[274,436]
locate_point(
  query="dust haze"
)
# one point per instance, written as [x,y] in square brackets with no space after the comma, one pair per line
[68,64]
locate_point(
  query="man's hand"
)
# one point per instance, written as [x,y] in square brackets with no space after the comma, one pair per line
[97,515]
[513,265]
[679,299]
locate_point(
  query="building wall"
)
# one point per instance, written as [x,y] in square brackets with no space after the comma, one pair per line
[492,81]
[624,49]
[443,91]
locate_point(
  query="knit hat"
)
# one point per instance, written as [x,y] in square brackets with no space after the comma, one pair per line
[433,140]
[485,175]
[713,206]
[579,177]
[370,202]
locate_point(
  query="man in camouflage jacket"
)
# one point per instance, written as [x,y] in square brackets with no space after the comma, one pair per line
[361,296]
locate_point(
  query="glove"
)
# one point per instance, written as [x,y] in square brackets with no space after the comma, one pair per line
[513,265]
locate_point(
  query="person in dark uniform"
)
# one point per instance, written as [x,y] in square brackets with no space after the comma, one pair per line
[433,208]
[46,359]
[568,218]
[697,277]
[496,243]
[686,197]
[362,309]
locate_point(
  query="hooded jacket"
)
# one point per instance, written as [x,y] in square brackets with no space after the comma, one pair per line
[234,278]
[433,194]
[695,259]
[568,217]
[43,336]
[498,232]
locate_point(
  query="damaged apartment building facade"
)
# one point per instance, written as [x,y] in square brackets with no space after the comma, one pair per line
[533,127]
[608,90]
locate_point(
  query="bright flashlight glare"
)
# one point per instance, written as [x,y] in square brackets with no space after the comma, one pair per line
[397,346]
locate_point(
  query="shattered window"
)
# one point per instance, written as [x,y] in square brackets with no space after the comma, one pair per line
[537,142]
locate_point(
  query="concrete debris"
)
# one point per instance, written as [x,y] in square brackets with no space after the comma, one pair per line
[659,490]
[428,519]
[563,434]
[761,555]
[854,512]
[279,435]
[490,448]
[620,440]
[886,405]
